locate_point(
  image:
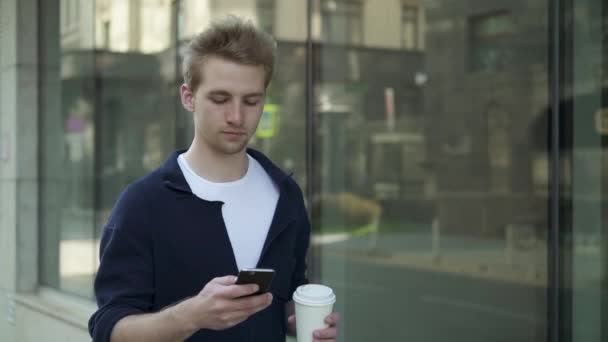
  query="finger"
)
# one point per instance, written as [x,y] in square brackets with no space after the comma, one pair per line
[237,313]
[226,280]
[250,303]
[291,319]
[329,333]
[236,291]
[256,303]
[333,319]
[266,302]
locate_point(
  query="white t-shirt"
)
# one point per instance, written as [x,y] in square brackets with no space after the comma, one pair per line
[249,205]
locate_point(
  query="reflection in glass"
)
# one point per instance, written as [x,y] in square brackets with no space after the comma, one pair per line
[342,21]
[429,142]
[410,25]
[266,11]
[68,148]
[490,34]
[427,219]
[111,111]
[585,242]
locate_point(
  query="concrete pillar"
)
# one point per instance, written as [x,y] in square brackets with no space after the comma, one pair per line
[18,156]
[19,165]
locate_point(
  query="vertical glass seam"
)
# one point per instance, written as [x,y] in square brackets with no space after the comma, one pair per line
[309,139]
[41,163]
[604,179]
[309,107]
[554,262]
[97,137]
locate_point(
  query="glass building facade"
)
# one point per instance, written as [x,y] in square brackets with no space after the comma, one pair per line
[453,153]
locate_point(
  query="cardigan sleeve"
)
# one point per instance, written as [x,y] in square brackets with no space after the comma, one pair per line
[302,243]
[124,284]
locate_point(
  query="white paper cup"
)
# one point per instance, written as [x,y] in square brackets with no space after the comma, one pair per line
[313,303]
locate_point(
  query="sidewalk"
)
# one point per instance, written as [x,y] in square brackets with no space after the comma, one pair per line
[468,256]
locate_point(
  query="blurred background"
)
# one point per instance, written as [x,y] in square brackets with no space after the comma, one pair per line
[452,153]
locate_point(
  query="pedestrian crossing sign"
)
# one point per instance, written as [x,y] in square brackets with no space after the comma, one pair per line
[269,122]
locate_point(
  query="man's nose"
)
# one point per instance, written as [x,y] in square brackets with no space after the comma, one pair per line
[234,114]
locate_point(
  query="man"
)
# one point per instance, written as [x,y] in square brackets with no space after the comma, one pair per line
[177,237]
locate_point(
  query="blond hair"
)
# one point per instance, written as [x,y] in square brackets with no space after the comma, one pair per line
[231,38]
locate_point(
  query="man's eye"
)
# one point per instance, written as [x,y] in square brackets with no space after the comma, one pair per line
[219,100]
[252,103]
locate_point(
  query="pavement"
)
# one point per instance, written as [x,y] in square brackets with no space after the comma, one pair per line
[405,287]
[520,263]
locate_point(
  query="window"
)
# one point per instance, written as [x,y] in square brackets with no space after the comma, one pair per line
[489,48]
[106,35]
[175,28]
[266,15]
[109,117]
[341,21]
[407,207]
[410,26]
[499,147]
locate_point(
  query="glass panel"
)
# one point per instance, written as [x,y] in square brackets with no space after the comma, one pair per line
[136,94]
[490,46]
[282,131]
[111,112]
[68,121]
[589,112]
[108,86]
[266,10]
[430,204]
[341,21]
[409,27]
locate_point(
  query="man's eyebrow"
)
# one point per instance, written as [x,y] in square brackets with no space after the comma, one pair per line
[225,93]
[219,92]
[254,95]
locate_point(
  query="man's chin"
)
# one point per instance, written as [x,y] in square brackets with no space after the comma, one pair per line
[232,149]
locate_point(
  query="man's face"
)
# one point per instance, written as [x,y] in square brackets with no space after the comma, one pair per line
[227,105]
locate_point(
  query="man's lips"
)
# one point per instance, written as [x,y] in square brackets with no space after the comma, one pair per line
[232,135]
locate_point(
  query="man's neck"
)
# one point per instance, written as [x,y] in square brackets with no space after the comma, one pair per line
[214,166]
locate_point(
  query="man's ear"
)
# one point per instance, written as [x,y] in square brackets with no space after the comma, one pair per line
[187,97]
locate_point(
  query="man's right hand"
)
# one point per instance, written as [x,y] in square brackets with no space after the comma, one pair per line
[222,304]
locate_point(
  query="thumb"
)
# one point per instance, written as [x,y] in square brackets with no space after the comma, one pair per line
[291,319]
[226,280]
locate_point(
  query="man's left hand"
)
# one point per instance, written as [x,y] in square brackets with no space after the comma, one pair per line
[329,334]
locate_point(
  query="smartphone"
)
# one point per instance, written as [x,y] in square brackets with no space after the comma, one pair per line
[260,276]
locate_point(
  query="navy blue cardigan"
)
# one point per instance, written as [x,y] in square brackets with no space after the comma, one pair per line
[162,244]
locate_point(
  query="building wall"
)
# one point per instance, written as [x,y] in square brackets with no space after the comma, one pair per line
[290,23]
[203,11]
[388,35]
[76,16]
[519,90]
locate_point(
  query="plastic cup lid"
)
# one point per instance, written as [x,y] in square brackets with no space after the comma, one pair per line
[314,295]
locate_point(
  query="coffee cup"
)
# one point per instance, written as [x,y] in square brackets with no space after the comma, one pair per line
[313,303]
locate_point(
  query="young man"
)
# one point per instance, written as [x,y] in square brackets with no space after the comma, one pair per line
[177,237]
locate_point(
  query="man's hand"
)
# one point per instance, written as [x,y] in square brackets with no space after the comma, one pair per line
[221,304]
[329,334]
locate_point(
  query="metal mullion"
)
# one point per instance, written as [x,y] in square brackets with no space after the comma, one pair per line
[314,257]
[554,263]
